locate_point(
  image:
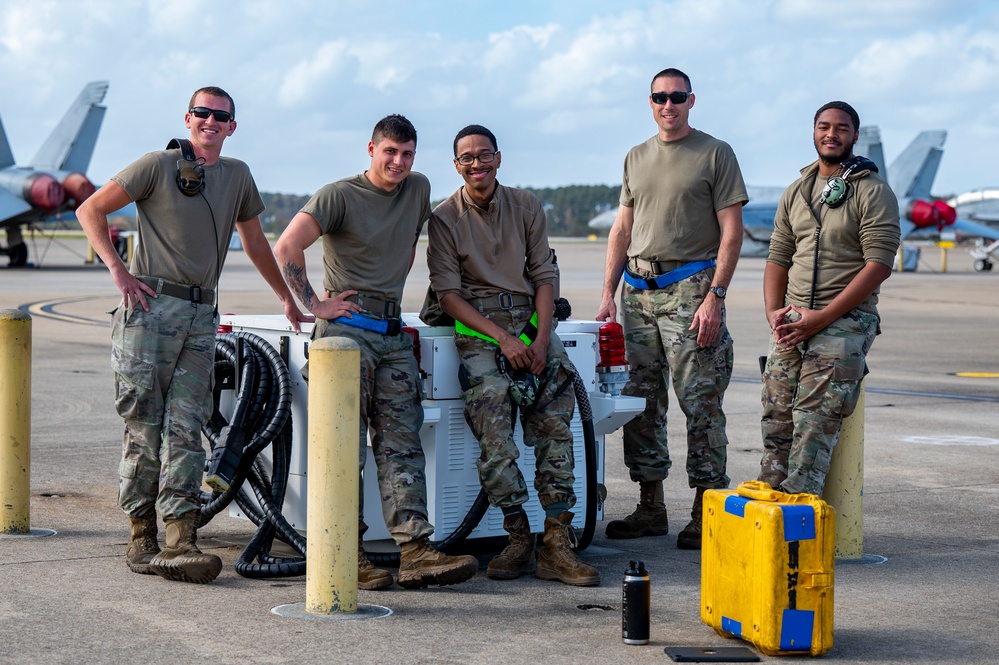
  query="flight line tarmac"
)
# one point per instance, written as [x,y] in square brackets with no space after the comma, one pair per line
[931,503]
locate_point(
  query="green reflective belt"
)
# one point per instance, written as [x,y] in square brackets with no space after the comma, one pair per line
[527,335]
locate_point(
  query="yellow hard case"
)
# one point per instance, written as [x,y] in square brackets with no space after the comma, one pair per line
[767,568]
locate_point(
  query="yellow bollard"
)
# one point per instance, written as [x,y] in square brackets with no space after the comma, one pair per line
[15,422]
[334,480]
[844,489]
[943,258]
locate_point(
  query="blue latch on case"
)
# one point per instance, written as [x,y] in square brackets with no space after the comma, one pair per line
[799,522]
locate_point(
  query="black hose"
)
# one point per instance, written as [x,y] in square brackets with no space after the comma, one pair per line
[590,451]
[262,412]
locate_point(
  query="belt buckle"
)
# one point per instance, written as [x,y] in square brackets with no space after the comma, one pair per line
[195,294]
[506,300]
[391,310]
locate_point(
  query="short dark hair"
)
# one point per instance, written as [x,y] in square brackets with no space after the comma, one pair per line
[474,130]
[214,91]
[671,72]
[840,106]
[394,127]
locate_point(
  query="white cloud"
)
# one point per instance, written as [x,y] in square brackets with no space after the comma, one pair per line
[308,79]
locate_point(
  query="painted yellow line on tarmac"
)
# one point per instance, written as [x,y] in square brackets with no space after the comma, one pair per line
[47,309]
[978,375]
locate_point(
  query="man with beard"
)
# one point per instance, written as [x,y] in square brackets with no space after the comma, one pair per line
[835,236]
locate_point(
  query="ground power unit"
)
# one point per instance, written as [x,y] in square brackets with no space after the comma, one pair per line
[450,448]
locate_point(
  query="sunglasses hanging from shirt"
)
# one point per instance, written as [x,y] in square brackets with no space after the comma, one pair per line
[190,169]
[837,189]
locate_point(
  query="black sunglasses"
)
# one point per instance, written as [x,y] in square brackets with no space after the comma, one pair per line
[203,113]
[675,97]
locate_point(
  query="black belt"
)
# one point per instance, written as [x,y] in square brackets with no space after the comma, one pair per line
[380,307]
[500,301]
[194,294]
[654,267]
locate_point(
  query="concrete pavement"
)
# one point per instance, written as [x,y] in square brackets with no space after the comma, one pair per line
[931,505]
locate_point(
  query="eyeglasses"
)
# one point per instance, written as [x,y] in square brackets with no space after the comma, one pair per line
[203,113]
[484,158]
[675,97]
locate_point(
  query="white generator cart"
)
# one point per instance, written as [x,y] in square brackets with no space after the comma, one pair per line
[450,448]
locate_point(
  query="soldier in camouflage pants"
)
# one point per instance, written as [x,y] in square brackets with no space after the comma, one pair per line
[657,328]
[490,415]
[391,411]
[808,390]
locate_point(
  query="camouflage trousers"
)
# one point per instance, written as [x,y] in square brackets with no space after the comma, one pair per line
[662,349]
[490,413]
[808,390]
[392,412]
[163,362]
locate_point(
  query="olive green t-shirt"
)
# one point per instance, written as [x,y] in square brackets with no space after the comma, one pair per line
[182,238]
[368,233]
[476,252]
[675,188]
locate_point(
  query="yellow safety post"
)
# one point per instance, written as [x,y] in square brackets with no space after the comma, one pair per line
[900,258]
[334,482]
[91,254]
[15,422]
[944,246]
[130,244]
[844,489]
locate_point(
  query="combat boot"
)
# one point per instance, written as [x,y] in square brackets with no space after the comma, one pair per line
[517,557]
[690,537]
[181,560]
[142,545]
[649,518]
[557,561]
[370,577]
[420,566]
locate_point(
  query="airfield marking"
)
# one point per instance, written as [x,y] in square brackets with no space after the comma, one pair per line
[906,393]
[952,440]
[46,310]
[978,375]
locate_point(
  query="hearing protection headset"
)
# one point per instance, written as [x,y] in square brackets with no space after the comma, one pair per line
[190,172]
[837,189]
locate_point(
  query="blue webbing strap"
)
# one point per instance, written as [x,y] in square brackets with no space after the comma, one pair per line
[672,277]
[383,326]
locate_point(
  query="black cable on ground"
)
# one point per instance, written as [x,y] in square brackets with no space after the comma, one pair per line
[261,417]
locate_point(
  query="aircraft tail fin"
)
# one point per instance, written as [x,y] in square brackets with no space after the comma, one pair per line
[6,156]
[869,146]
[71,143]
[913,172]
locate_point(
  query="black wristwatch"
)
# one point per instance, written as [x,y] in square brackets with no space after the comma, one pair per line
[719,291]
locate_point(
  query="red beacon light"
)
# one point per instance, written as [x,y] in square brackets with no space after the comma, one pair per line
[613,368]
[224,328]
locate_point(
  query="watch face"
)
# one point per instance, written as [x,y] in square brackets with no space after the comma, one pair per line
[719,291]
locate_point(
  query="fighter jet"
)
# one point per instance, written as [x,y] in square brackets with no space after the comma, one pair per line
[55,180]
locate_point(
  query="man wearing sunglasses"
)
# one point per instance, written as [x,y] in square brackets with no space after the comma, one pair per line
[492,268]
[676,240]
[835,236]
[367,223]
[163,332]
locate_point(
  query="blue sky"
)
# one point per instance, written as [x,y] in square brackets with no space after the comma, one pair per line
[563,84]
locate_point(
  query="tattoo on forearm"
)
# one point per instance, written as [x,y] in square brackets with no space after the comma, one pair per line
[295,275]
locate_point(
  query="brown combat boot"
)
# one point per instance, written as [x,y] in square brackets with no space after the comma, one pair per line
[649,518]
[690,537]
[142,545]
[557,561]
[181,560]
[420,566]
[517,557]
[370,577]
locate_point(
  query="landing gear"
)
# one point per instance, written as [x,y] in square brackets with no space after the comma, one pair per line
[18,255]
[983,265]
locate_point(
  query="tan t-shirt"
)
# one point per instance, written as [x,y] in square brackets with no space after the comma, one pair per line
[864,228]
[675,188]
[477,252]
[185,239]
[368,233]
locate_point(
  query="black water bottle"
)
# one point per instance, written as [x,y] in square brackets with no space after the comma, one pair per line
[636,599]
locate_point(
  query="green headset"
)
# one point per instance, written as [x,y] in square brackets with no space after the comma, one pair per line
[837,189]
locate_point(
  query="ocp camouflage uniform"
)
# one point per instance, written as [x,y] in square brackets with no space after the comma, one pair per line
[163,361]
[490,413]
[657,329]
[392,412]
[808,390]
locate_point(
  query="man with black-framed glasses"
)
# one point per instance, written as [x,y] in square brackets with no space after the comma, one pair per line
[493,271]
[676,241]
[188,201]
